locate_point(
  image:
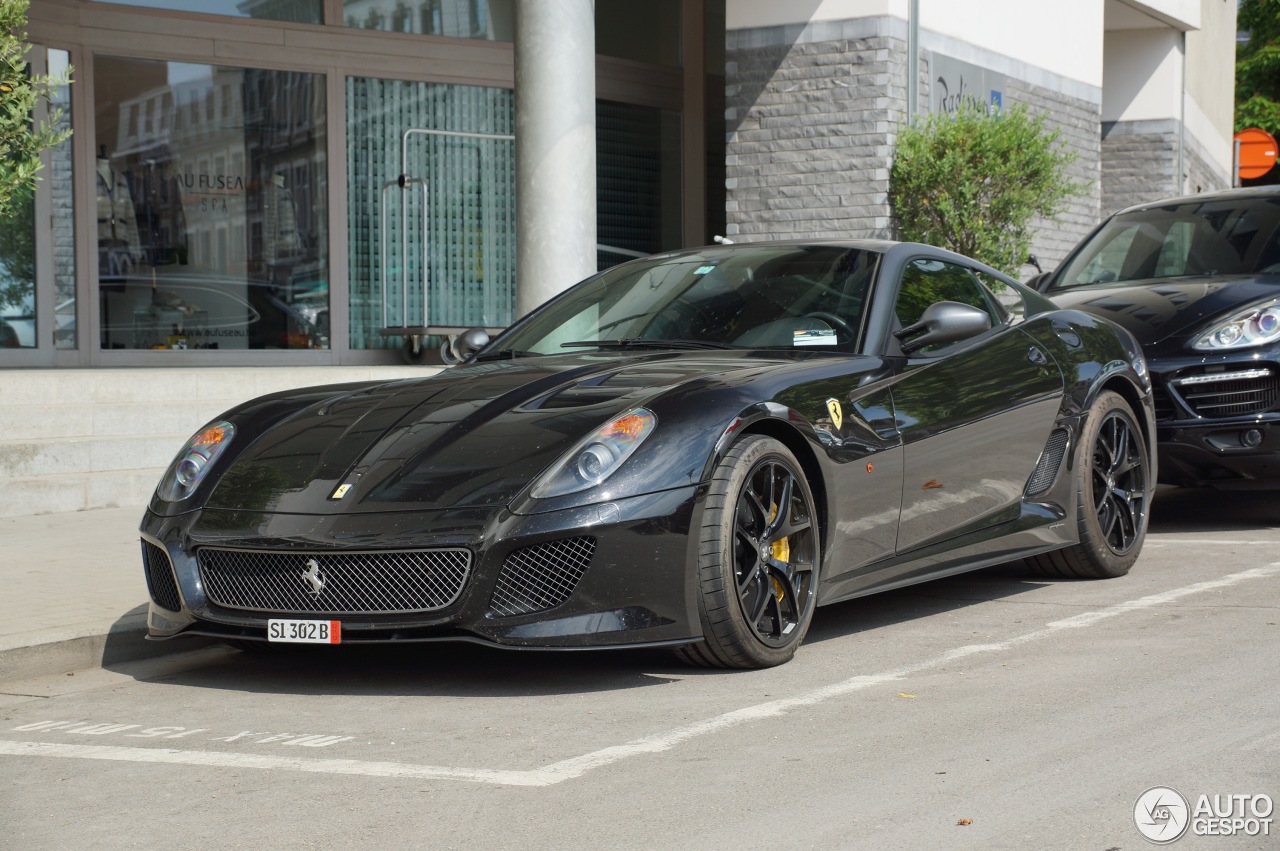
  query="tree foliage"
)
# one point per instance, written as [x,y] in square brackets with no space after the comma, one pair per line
[1258,66]
[20,141]
[972,182]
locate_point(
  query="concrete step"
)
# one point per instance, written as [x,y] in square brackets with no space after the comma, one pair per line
[50,494]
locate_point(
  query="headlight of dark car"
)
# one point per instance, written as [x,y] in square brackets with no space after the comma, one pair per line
[597,456]
[1254,326]
[193,462]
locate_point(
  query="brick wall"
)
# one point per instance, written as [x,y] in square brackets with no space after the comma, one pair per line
[1077,120]
[1139,162]
[811,126]
[812,116]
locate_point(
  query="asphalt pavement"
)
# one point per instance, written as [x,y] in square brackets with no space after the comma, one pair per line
[73,595]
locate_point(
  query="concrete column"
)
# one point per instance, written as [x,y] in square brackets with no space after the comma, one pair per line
[555,59]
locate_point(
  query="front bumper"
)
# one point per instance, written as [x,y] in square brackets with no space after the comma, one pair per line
[635,588]
[1218,420]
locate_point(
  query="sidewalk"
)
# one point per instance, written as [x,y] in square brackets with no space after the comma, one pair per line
[72,593]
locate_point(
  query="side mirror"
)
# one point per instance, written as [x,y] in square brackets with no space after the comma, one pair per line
[1039,282]
[465,345]
[943,322]
[1033,260]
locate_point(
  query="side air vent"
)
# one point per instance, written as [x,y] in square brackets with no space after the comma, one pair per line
[160,582]
[1050,460]
[541,577]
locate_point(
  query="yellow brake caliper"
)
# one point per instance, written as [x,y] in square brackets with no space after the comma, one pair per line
[781,552]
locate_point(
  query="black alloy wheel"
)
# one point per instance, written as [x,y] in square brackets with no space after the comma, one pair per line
[1113,495]
[759,559]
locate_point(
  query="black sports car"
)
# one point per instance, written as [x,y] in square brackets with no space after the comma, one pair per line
[1197,281]
[689,450]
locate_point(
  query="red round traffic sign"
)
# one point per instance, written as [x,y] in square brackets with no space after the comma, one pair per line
[1257,152]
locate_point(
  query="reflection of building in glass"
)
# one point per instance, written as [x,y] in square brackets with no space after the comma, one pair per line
[225,170]
[482,19]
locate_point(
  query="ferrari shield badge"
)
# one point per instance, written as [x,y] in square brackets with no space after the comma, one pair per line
[837,413]
[340,492]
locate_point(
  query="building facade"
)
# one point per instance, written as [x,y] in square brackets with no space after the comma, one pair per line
[1141,93]
[274,182]
[264,193]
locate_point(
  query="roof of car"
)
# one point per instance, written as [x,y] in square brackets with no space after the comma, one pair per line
[1242,194]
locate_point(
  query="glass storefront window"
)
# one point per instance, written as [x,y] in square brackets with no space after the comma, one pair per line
[17,274]
[296,11]
[492,20]
[638,181]
[22,322]
[450,232]
[212,223]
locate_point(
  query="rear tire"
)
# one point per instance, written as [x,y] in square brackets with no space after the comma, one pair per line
[758,559]
[1113,495]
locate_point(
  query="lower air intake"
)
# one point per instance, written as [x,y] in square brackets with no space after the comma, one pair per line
[542,576]
[160,582]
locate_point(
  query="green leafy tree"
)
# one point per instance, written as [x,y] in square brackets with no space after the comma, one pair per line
[1258,66]
[20,141]
[972,182]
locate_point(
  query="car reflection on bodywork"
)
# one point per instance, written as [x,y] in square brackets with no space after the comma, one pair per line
[691,450]
[1197,281]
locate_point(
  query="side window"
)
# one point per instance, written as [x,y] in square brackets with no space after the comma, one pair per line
[926,282]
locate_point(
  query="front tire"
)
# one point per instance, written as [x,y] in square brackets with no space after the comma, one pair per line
[1113,495]
[758,559]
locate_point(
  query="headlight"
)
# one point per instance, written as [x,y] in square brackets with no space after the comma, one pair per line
[595,458]
[1255,326]
[193,462]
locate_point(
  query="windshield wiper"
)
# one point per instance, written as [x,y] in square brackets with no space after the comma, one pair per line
[642,343]
[503,354]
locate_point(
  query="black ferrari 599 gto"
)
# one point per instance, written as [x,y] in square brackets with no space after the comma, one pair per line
[691,450]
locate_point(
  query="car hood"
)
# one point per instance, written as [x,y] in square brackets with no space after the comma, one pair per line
[472,436]
[1168,309]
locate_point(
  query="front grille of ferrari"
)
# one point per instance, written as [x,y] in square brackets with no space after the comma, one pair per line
[542,576]
[1230,393]
[341,583]
[160,581]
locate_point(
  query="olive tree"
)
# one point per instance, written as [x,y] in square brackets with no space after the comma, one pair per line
[21,142]
[973,182]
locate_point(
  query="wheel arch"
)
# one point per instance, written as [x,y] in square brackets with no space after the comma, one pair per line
[1137,404]
[802,448]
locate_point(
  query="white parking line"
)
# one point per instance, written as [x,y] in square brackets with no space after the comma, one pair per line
[559,772]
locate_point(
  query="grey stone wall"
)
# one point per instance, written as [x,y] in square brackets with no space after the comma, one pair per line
[811,119]
[812,116]
[1077,121]
[1202,175]
[1139,162]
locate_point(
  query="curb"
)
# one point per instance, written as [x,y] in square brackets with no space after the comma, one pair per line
[123,643]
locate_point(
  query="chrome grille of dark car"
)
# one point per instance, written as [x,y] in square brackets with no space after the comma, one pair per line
[1050,460]
[334,583]
[160,582]
[541,576]
[1231,395]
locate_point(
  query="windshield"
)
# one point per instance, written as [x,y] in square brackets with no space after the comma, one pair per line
[767,296]
[1226,237]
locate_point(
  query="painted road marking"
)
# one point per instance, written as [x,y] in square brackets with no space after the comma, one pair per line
[569,769]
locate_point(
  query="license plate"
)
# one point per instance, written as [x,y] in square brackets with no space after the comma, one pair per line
[304,632]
